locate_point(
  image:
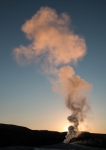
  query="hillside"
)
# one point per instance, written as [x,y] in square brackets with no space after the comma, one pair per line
[13,135]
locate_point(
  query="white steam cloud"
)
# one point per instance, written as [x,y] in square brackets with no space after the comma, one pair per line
[54,43]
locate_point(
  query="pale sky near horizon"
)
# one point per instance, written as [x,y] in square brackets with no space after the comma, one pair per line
[26,96]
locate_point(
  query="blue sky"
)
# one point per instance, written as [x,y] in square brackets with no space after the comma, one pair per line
[26,96]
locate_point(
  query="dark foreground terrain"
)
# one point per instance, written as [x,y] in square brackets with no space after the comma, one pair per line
[90,139]
[14,137]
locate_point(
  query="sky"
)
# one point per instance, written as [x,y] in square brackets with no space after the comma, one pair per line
[27,97]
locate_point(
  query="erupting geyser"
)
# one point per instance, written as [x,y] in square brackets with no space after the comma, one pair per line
[71,134]
[56,45]
[77,116]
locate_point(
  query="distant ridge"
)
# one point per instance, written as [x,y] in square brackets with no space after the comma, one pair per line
[14,135]
[90,139]
[12,127]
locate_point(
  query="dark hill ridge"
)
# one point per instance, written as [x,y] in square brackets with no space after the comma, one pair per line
[90,139]
[13,135]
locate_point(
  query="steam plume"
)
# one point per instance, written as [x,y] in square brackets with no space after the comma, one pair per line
[54,43]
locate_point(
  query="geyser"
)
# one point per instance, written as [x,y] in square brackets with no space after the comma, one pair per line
[54,43]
